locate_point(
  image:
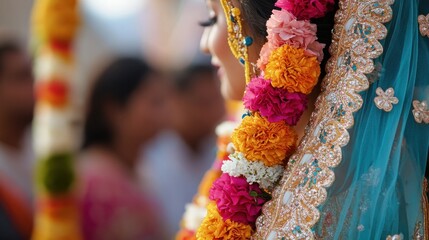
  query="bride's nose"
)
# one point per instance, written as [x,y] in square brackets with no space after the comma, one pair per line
[204,46]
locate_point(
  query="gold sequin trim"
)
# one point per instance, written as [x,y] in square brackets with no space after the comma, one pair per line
[418,232]
[293,211]
[425,203]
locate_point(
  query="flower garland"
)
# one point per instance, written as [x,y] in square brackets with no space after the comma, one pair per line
[290,67]
[55,25]
[253,171]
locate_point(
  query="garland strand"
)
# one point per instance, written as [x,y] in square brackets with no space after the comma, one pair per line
[55,24]
[290,67]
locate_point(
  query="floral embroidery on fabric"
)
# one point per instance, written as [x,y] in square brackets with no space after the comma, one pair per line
[424,25]
[385,99]
[294,209]
[329,212]
[395,237]
[421,112]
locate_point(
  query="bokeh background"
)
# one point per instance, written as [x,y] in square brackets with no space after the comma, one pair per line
[169,165]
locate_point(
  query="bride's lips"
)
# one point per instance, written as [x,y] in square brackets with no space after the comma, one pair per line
[220,70]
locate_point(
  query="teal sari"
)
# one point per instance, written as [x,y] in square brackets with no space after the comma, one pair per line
[359,171]
[379,185]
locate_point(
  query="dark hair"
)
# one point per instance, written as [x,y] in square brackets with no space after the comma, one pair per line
[187,78]
[324,34]
[116,84]
[8,46]
[257,13]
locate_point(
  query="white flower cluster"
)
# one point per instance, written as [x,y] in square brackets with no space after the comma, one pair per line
[253,171]
[49,66]
[55,131]
[54,128]
[194,216]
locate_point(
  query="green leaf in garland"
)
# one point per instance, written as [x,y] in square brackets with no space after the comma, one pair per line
[253,194]
[55,173]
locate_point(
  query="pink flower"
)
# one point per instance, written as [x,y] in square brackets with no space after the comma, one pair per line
[284,28]
[237,200]
[264,55]
[274,103]
[306,9]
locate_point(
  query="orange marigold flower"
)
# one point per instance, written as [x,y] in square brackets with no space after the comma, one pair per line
[261,140]
[290,68]
[213,227]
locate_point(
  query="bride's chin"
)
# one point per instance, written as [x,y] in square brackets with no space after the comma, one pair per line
[229,93]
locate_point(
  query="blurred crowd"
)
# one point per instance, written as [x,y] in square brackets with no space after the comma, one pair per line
[16,155]
[150,106]
[147,139]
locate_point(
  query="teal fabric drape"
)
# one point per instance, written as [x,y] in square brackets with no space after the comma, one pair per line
[378,185]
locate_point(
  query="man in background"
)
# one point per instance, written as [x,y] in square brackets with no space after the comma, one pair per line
[177,159]
[16,112]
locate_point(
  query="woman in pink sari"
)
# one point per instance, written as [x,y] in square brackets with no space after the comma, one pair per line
[125,109]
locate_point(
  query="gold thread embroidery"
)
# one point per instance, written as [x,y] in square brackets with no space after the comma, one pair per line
[293,211]
[418,232]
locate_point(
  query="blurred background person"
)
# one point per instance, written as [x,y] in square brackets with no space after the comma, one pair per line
[16,155]
[168,37]
[176,161]
[126,109]
[197,105]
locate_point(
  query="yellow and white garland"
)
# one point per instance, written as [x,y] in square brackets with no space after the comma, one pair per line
[55,24]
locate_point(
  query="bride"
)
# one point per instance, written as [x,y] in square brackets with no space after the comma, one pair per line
[349,165]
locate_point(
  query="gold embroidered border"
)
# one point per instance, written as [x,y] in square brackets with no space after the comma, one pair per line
[293,211]
[425,202]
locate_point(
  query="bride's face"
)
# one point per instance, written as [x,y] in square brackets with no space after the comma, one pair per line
[214,41]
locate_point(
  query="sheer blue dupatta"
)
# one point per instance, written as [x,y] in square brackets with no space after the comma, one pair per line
[378,189]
